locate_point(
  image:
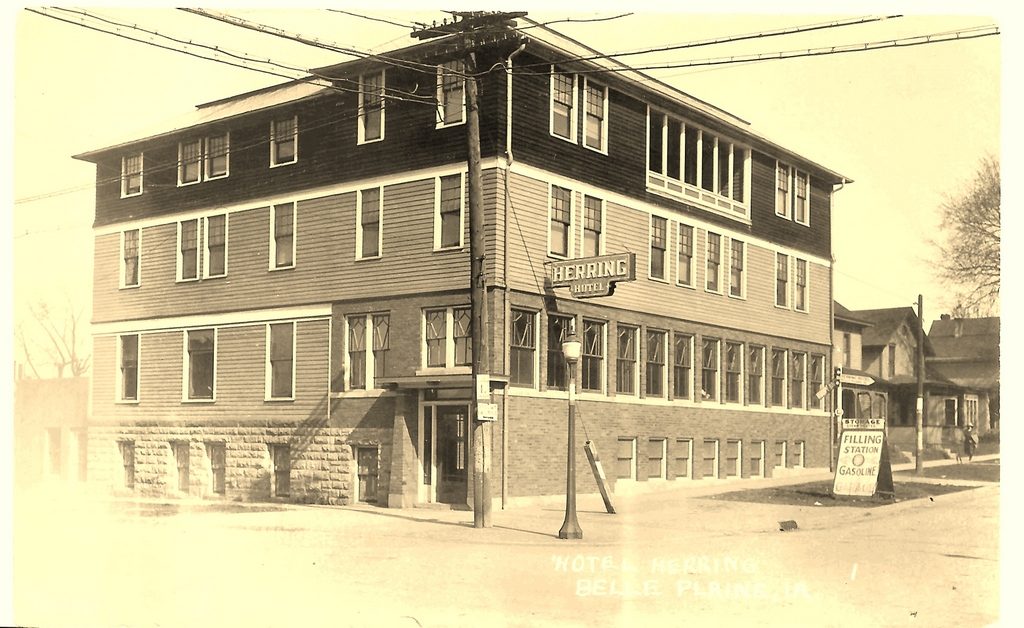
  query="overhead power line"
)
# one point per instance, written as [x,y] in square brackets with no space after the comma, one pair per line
[408,25]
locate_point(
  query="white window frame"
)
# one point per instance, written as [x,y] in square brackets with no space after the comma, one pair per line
[667,262]
[208,156]
[807,201]
[635,375]
[274,163]
[785,455]
[206,246]
[665,366]
[799,452]
[603,148]
[718,396]
[759,446]
[583,223]
[179,256]
[633,460]
[786,209]
[807,285]
[688,443]
[765,375]
[738,469]
[535,317]
[717,458]
[273,235]
[380,223]
[770,367]
[707,261]
[122,267]
[449,340]
[199,161]
[573,114]
[361,139]
[437,213]
[743,270]
[572,222]
[187,366]
[663,472]
[439,122]
[789,281]
[119,372]
[789,212]
[742,379]
[804,392]
[690,282]
[124,175]
[267,368]
[605,358]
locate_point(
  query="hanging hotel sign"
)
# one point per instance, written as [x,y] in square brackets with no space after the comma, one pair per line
[592,276]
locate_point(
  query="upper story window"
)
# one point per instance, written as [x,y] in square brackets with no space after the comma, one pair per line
[592,378]
[218,152]
[558,328]
[284,141]
[448,337]
[800,285]
[523,349]
[190,161]
[201,158]
[755,375]
[281,361]
[696,165]
[131,256]
[796,379]
[684,265]
[815,379]
[595,107]
[560,222]
[737,263]
[733,371]
[451,93]
[659,248]
[709,369]
[781,280]
[654,373]
[449,223]
[593,226]
[129,380]
[792,193]
[369,232]
[713,278]
[371,107]
[778,389]
[282,236]
[188,250]
[682,367]
[625,361]
[200,364]
[131,175]
[369,340]
[563,105]
[215,262]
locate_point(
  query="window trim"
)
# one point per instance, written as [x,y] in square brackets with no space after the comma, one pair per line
[603,371]
[449,340]
[741,374]
[370,363]
[664,363]
[583,224]
[125,175]
[635,371]
[788,279]
[792,380]
[707,262]
[691,280]
[603,148]
[666,262]
[437,213]
[180,254]
[208,158]
[762,402]
[206,247]
[187,370]
[687,443]
[783,402]
[691,380]
[274,163]
[123,268]
[663,472]
[380,223]
[273,235]
[439,122]
[570,228]
[268,382]
[362,113]
[119,390]
[573,113]
[743,269]
[792,175]
[199,161]
[535,321]
[806,287]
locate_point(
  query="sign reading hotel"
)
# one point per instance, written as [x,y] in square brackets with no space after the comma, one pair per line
[860,457]
[592,276]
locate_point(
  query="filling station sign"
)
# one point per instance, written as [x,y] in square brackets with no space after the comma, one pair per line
[863,467]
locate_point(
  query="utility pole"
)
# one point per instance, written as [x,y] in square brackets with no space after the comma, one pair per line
[919,450]
[472,26]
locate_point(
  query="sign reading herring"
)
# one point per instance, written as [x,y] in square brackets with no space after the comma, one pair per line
[592,276]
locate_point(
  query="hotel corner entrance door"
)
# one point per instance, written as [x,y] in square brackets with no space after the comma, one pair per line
[444,455]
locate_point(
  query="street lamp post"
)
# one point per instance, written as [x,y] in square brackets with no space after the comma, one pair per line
[571,348]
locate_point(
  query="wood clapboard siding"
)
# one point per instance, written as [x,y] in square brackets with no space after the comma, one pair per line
[815,238]
[627,229]
[240,377]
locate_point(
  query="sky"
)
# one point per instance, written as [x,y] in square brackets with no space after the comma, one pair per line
[908,125]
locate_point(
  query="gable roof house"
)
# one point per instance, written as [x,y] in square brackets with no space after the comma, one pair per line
[967,353]
[282,284]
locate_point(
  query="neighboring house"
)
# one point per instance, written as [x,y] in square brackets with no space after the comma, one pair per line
[50,421]
[967,353]
[281,292]
[862,395]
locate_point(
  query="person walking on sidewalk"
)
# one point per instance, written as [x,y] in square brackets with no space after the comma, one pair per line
[970,442]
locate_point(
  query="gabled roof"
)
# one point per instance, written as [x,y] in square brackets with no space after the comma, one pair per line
[967,338]
[884,324]
[841,313]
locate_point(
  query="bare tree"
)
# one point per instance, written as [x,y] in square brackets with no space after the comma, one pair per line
[969,248]
[57,338]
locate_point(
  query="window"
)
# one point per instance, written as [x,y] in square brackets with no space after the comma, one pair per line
[190,161]
[796,379]
[188,250]
[654,377]
[684,270]
[449,225]
[625,459]
[451,93]
[625,361]
[710,458]
[782,197]
[755,375]
[792,193]
[593,356]
[563,99]
[659,245]
[780,454]
[369,339]
[284,141]
[798,454]
[800,287]
[131,175]
[682,366]
[778,377]
[733,371]
[595,107]
[281,361]
[371,107]
[892,360]
[381,344]
[129,367]
[657,453]
[558,328]
[281,469]
[709,368]
[714,265]
[357,352]
[593,221]
[688,162]
[218,462]
[180,451]
[733,458]
[757,451]
[131,256]
[216,233]
[448,337]
[684,458]
[815,379]
[127,451]
[218,151]
[368,223]
[737,257]
[801,197]
[522,349]
[282,236]
[200,364]
[559,243]
[781,280]
[847,349]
